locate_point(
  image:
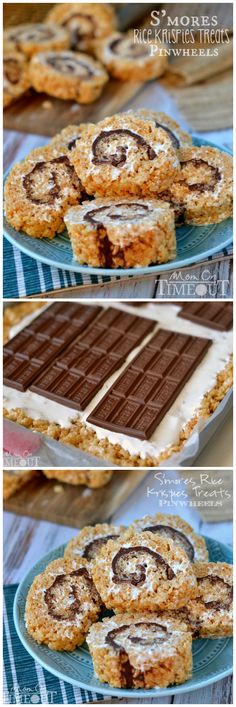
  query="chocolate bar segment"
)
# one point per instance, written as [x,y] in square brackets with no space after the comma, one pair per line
[137,401]
[31,351]
[215,315]
[75,376]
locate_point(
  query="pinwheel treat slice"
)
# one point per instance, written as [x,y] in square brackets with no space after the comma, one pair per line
[127,59]
[211,614]
[125,156]
[141,650]
[143,572]
[91,539]
[68,75]
[178,137]
[39,190]
[123,232]
[203,189]
[16,79]
[61,605]
[85,22]
[175,528]
[32,38]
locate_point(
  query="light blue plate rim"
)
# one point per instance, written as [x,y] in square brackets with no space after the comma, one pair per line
[27,248]
[222,553]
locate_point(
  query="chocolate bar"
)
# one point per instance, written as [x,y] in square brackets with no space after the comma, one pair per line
[215,315]
[31,350]
[138,400]
[67,357]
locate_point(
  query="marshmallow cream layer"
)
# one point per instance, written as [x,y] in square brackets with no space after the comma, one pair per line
[180,413]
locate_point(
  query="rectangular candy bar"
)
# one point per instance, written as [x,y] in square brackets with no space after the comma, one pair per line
[215,315]
[30,351]
[78,373]
[138,400]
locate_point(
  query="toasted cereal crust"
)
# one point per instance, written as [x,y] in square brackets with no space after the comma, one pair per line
[92,479]
[74,86]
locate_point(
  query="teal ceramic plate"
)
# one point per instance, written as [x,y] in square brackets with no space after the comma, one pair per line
[212,659]
[194,243]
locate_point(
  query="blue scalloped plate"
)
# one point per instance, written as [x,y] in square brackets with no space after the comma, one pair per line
[194,243]
[212,659]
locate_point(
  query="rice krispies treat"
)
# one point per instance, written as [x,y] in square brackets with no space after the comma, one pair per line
[175,528]
[15,480]
[211,614]
[140,651]
[16,79]
[92,479]
[125,156]
[32,38]
[143,572]
[61,605]
[203,190]
[68,75]
[84,21]
[127,233]
[65,141]
[39,190]
[126,59]
[178,136]
[90,539]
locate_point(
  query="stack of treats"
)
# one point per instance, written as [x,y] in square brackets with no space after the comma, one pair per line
[156,578]
[120,187]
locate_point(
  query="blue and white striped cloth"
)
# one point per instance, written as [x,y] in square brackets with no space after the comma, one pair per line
[24,680]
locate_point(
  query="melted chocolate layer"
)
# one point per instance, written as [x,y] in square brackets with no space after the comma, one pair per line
[52,186]
[121,575]
[69,583]
[121,212]
[92,548]
[175,535]
[125,632]
[201,187]
[70,65]
[174,139]
[108,138]
[216,580]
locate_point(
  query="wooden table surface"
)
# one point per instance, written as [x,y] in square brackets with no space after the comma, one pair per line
[155,96]
[26,540]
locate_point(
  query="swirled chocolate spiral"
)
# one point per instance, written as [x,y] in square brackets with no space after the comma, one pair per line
[92,548]
[63,598]
[126,637]
[67,63]
[127,48]
[81,26]
[168,532]
[123,211]
[31,33]
[137,555]
[215,580]
[111,147]
[201,186]
[46,190]
[174,139]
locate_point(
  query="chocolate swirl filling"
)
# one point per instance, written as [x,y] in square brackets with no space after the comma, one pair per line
[201,186]
[67,64]
[215,580]
[40,191]
[175,535]
[12,70]
[122,560]
[81,27]
[142,633]
[129,49]
[174,140]
[110,147]
[92,548]
[124,211]
[63,597]
[32,35]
